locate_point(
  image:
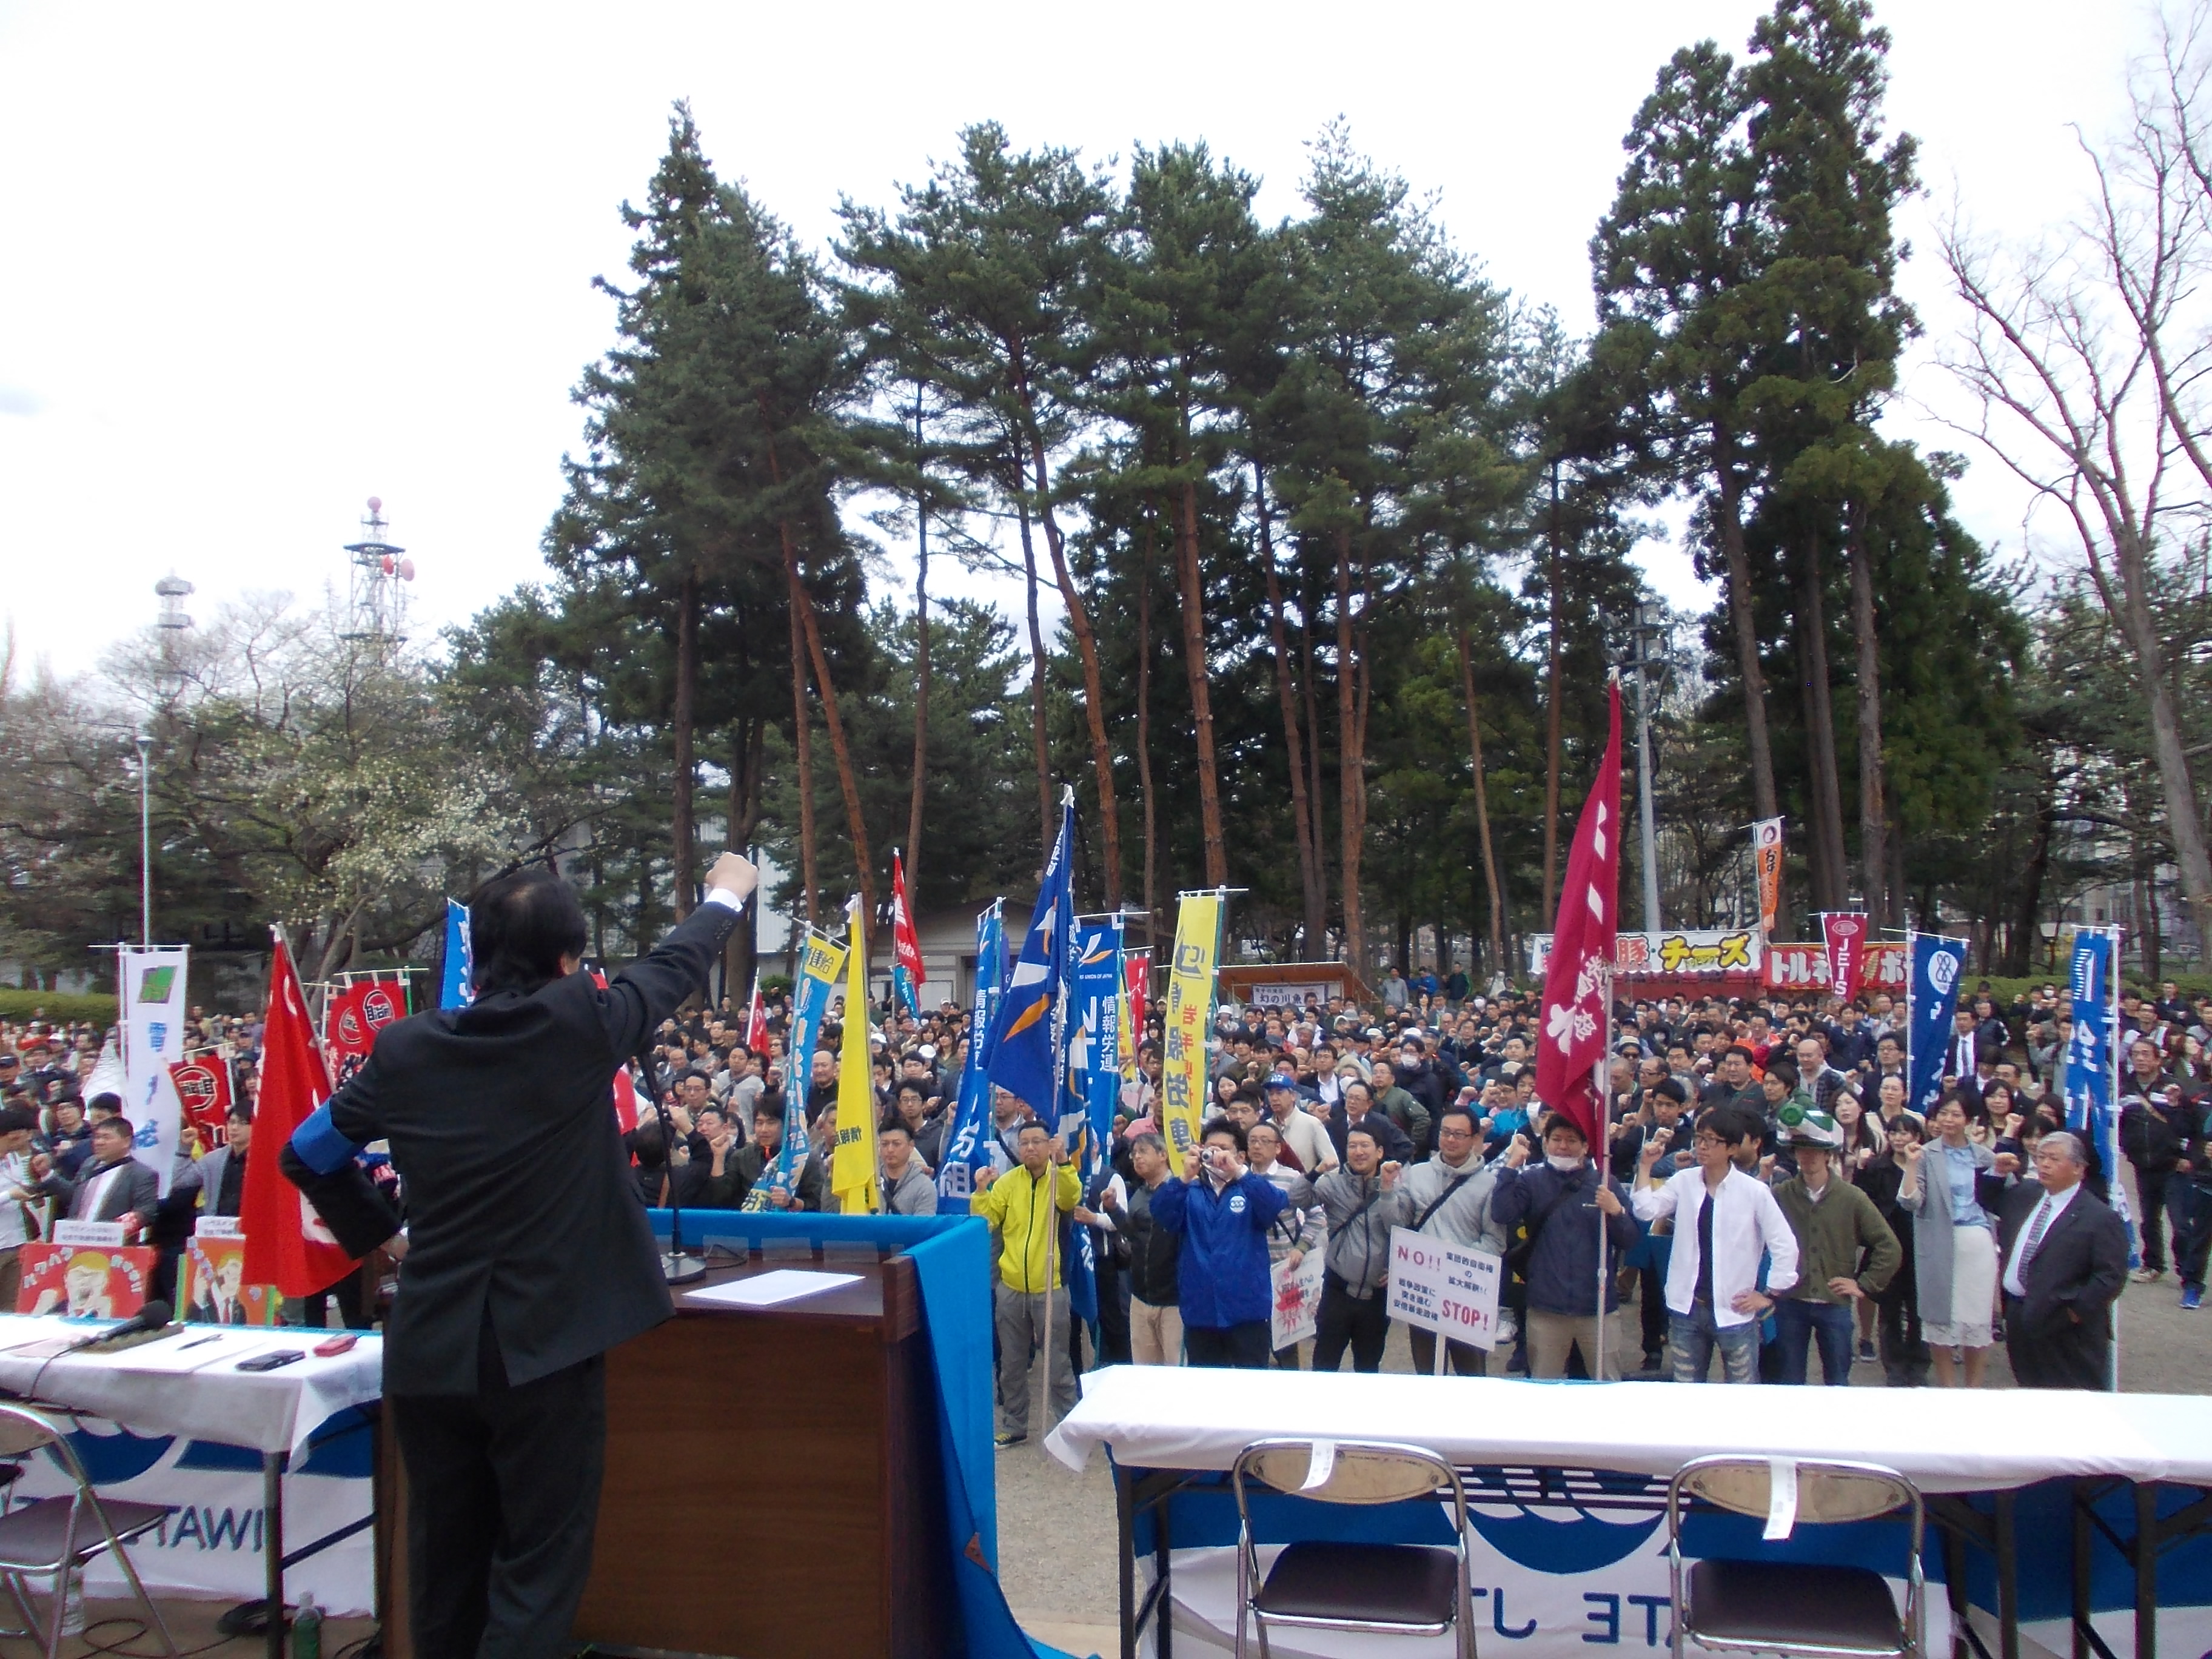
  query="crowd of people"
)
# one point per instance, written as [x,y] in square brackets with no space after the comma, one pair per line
[67,1151]
[1766,1198]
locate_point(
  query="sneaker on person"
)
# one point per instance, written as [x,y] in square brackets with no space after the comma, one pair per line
[1866,1349]
[2192,1298]
[2148,1275]
[1006,1440]
[1655,1360]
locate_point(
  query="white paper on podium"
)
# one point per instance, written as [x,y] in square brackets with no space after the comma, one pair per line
[200,1346]
[767,1289]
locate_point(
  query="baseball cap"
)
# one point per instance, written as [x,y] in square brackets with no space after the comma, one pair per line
[927,1051]
[1282,1080]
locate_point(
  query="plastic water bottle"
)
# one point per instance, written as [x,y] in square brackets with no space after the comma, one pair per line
[308,1630]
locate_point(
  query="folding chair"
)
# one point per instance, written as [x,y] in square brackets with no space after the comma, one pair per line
[1406,1589]
[54,1537]
[1777,1606]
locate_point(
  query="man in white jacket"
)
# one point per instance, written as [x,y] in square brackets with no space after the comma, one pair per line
[1725,1221]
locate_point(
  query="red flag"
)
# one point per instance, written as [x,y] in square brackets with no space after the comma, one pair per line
[360,1010]
[204,1085]
[1137,980]
[1845,932]
[287,1243]
[756,1025]
[1577,984]
[906,948]
[343,1028]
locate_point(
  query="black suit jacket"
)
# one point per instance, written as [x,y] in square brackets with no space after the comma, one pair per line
[2078,1270]
[521,1204]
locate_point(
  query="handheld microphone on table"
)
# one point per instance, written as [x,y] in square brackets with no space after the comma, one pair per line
[149,1320]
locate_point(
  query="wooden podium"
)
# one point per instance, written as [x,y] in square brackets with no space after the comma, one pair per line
[774,1485]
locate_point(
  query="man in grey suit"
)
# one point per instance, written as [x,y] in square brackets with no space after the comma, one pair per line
[112,1186]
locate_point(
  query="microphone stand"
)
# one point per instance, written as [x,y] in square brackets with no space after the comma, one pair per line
[676,1268]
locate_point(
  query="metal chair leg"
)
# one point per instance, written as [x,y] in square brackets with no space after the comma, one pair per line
[61,1607]
[1243,1590]
[137,1588]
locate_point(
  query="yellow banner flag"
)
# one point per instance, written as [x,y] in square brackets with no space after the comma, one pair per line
[1183,1089]
[852,1166]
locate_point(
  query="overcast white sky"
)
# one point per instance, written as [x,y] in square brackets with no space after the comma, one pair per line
[257,263]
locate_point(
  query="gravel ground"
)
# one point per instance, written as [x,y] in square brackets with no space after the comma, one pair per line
[1056,1530]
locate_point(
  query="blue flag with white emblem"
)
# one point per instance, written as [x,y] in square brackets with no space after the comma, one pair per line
[967,1143]
[1024,1058]
[1931,997]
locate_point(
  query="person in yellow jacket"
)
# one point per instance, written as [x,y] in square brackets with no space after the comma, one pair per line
[1020,1213]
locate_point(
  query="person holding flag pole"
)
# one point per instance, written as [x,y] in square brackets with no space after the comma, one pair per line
[1577,1003]
[1025,1204]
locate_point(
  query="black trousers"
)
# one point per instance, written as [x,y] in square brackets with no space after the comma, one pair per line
[2072,1357]
[1362,1323]
[1651,1309]
[1464,1358]
[503,1495]
[2150,1186]
[1905,1359]
[1243,1347]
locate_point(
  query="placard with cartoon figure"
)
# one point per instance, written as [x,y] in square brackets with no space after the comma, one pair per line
[216,1291]
[83,1281]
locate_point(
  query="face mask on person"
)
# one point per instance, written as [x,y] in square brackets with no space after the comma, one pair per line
[1565,1165]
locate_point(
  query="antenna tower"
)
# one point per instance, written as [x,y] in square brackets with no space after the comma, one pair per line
[376,600]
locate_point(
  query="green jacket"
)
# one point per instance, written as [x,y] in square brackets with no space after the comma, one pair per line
[1832,1233]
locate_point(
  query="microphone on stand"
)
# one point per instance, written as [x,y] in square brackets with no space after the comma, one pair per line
[676,1268]
[152,1317]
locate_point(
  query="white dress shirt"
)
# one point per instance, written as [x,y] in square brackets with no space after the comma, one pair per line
[1748,1223]
[2045,1214]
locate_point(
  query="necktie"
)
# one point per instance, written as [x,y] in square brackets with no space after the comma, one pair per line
[2034,1242]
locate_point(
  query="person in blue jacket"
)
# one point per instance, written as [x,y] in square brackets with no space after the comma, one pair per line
[1223,1211]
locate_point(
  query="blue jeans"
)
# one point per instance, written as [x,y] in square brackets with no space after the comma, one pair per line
[1799,1322]
[1692,1338]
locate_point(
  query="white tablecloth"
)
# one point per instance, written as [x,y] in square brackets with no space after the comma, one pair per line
[1945,1440]
[269,1411]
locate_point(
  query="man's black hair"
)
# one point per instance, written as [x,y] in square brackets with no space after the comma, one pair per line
[241,1113]
[120,1123]
[12,1118]
[1222,1126]
[105,1101]
[520,927]
[1732,1124]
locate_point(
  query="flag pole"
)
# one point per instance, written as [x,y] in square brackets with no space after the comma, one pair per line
[1601,1156]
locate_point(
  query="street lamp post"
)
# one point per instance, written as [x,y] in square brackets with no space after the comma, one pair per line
[145,743]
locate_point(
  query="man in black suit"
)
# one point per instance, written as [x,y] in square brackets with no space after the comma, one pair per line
[2065,1257]
[511,1288]
[112,1186]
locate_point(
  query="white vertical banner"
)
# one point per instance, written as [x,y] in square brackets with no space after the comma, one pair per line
[153,993]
